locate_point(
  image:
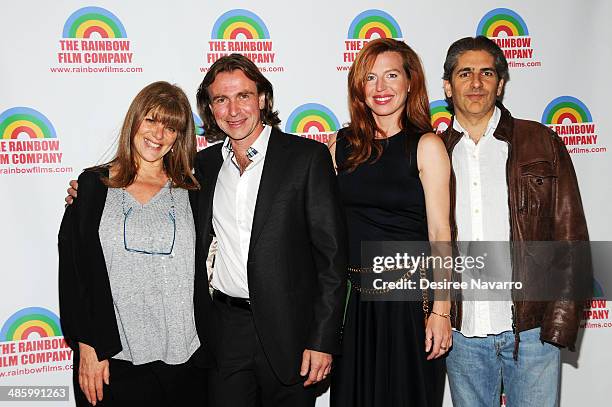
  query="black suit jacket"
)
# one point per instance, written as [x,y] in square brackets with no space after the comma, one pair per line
[297,255]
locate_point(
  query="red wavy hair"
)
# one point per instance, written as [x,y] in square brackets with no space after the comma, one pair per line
[363,127]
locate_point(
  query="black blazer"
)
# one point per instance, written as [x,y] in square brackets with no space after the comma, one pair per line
[297,255]
[86,305]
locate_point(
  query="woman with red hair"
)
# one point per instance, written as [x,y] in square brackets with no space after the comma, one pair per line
[394,175]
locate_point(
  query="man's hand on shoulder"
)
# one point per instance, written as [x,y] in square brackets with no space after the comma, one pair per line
[72,192]
[316,365]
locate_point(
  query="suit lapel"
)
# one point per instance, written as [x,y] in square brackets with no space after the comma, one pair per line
[275,169]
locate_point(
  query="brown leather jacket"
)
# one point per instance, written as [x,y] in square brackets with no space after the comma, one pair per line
[544,204]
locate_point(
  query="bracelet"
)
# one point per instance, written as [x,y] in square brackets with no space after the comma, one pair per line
[444,315]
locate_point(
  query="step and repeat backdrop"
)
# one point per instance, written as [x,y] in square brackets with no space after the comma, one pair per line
[70,69]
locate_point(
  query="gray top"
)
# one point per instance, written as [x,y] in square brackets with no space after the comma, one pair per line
[152,280]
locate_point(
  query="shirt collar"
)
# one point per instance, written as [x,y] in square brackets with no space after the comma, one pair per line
[255,152]
[491,126]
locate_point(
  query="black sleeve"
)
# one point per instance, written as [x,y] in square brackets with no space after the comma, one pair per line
[74,283]
[326,224]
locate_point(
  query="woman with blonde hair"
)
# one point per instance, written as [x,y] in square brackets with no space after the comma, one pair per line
[393,174]
[127,261]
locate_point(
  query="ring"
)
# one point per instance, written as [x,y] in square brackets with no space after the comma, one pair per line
[428,339]
[443,347]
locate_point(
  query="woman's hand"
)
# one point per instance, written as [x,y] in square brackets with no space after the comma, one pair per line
[438,332]
[72,192]
[92,373]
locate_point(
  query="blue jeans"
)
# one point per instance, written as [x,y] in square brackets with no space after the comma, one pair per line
[477,366]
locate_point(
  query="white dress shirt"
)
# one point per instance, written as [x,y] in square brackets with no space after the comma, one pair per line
[233,210]
[482,214]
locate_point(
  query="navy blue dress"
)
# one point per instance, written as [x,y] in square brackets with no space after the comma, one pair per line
[383,361]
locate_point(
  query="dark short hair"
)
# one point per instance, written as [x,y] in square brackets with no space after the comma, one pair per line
[231,63]
[479,43]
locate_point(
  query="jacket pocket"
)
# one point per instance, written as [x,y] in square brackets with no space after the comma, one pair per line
[538,185]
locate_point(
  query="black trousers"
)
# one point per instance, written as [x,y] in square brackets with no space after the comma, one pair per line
[244,377]
[151,384]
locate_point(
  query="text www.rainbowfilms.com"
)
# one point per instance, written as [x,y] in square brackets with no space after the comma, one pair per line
[35,370]
[263,69]
[95,69]
[35,170]
[579,150]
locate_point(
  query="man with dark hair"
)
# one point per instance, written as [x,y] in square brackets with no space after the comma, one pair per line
[513,181]
[271,200]
[234,62]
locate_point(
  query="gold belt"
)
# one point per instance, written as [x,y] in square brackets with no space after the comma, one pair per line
[422,274]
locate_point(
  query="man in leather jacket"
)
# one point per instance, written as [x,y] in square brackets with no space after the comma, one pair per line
[513,181]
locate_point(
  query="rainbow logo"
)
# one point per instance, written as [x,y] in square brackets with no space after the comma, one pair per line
[240,22]
[502,20]
[312,115]
[30,321]
[566,108]
[199,125]
[440,115]
[373,24]
[88,20]
[23,120]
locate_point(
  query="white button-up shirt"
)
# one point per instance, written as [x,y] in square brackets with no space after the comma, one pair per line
[482,214]
[233,210]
